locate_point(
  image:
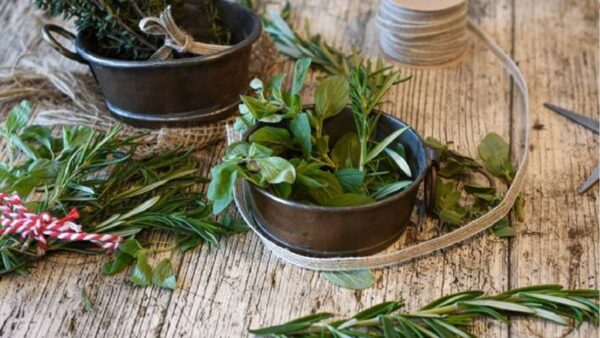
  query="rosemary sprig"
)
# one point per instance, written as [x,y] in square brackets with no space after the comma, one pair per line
[98,174]
[449,316]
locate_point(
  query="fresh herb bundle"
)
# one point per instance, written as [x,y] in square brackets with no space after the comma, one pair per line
[449,316]
[115,23]
[114,192]
[289,151]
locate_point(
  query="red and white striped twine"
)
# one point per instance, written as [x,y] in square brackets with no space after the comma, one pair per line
[16,219]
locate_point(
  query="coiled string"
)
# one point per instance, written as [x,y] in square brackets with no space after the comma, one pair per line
[423,33]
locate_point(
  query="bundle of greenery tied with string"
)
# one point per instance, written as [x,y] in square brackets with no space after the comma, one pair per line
[288,148]
[449,316]
[113,191]
[115,23]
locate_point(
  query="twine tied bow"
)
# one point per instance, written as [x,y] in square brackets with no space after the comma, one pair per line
[16,219]
[175,37]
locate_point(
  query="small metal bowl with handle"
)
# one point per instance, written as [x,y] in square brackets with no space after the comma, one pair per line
[343,231]
[176,92]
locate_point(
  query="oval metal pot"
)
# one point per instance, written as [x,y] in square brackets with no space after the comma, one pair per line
[343,231]
[177,92]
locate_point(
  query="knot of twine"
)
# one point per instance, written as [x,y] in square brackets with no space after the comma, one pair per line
[423,37]
[16,219]
[175,37]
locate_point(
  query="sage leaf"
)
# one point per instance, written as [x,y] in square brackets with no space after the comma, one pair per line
[400,161]
[346,151]
[348,199]
[300,70]
[276,170]
[130,247]
[142,274]
[384,144]
[503,229]
[351,179]
[354,279]
[18,117]
[494,153]
[163,275]
[331,96]
[390,189]
[277,139]
[220,188]
[120,263]
[447,204]
[300,128]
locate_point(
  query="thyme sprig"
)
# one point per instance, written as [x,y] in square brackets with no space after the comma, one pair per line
[449,316]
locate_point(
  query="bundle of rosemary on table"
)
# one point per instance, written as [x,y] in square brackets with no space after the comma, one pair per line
[113,191]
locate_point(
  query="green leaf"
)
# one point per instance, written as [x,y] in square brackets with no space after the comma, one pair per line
[120,263]
[388,328]
[278,139]
[86,300]
[500,305]
[384,144]
[276,170]
[131,247]
[384,308]
[189,244]
[300,128]
[346,152]
[390,189]
[331,96]
[351,179]
[300,70]
[348,199]
[142,274]
[295,325]
[18,117]
[220,188]
[503,229]
[447,203]
[355,279]
[400,161]
[331,186]
[494,152]
[141,208]
[163,275]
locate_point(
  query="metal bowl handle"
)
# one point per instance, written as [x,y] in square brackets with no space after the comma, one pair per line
[433,165]
[47,31]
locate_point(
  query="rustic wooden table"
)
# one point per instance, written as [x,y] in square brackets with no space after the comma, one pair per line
[223,293]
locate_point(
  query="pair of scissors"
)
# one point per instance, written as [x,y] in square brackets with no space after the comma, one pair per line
[589,123]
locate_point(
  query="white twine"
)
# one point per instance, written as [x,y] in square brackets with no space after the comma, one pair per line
[417,54]
[422,37]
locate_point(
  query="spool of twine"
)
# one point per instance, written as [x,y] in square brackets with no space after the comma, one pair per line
[423,32]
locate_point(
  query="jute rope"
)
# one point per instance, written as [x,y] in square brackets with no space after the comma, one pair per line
[175,38]
[421,249]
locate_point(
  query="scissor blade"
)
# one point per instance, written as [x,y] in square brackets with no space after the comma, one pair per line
[589,123]
[590,180]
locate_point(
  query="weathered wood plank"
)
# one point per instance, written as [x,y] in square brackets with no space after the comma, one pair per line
[556,46]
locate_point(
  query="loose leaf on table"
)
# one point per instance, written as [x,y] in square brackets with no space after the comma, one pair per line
[120,263]
[300,128]
[163,275]
[354,279]
[331,96]
[447,204]
[88,304]
[502,228]
[495,152]
[142,274]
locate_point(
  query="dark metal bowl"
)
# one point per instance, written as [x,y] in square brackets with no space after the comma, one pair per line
[174,93]
[343,231]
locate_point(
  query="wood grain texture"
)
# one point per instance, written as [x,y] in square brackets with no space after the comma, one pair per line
[241,285]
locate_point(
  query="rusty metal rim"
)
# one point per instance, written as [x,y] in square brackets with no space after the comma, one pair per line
[91,57]
[415,184]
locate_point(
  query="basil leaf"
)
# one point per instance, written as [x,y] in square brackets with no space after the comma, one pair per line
[384,143]
[163,275]
[494,152]
[355,279]
[300,71]
[117,265]
[331,96]
[351,179]
[346,152]
[278,139]
[276,170]
[142,274]
[348,199]
[300,128]
[400,161]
